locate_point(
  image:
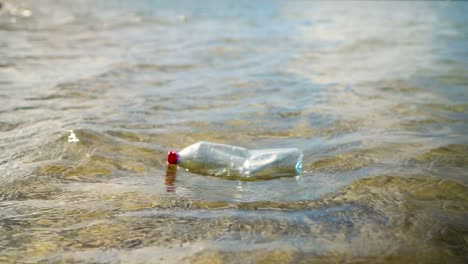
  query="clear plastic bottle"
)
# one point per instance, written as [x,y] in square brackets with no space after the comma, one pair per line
[231,161]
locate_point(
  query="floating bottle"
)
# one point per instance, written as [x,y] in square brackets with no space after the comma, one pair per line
[232,161]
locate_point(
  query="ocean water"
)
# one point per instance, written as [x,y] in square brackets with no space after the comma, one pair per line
[94,93]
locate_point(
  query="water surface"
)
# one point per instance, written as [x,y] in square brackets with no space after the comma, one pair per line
[374,93]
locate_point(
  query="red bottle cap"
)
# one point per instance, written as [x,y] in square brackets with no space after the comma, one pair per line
[172,157]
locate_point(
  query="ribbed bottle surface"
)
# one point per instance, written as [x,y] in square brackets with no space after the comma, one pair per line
[226,160]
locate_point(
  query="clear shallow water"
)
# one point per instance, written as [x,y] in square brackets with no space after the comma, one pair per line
[374,93]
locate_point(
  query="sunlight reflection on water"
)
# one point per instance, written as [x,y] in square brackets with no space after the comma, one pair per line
[94,94]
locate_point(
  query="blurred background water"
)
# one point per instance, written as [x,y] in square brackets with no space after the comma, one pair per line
[375,93]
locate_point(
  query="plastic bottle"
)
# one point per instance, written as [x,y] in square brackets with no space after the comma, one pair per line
[231,161]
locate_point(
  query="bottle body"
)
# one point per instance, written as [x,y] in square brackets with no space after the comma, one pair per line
[232,161]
